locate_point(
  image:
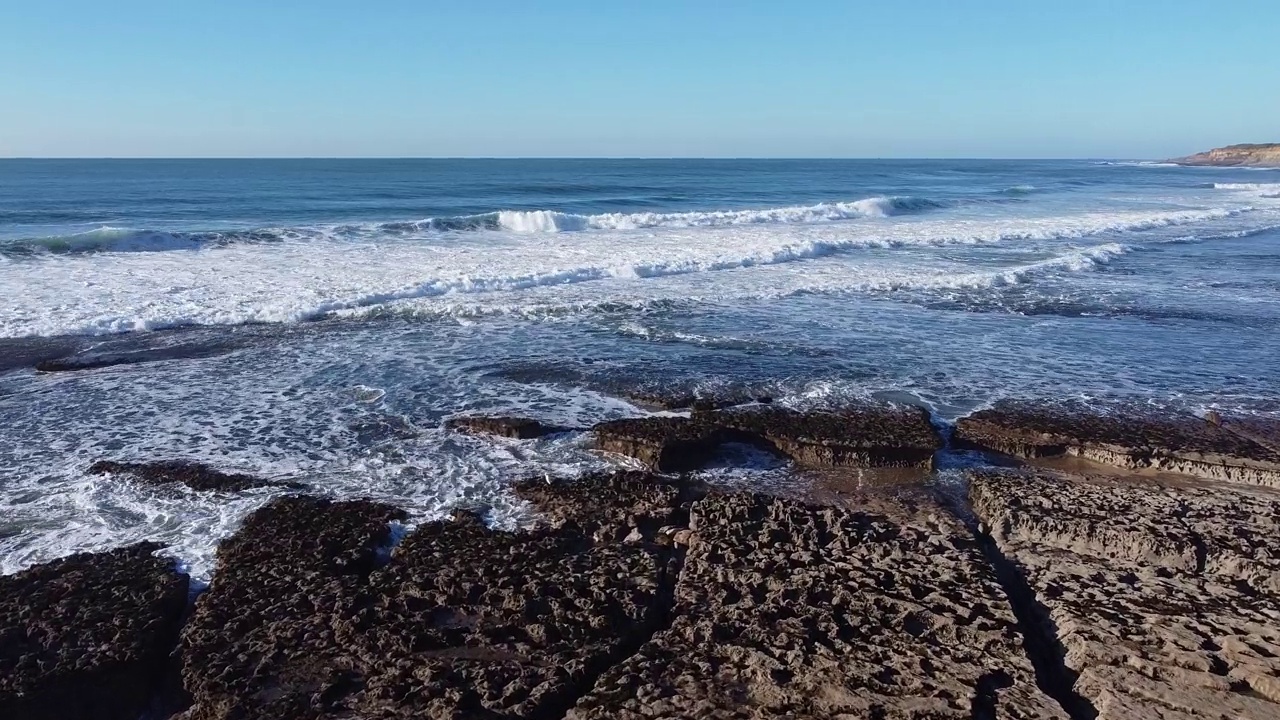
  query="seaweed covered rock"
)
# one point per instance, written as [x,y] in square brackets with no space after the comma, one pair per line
[785,609]
[1126,437]
[503,426]
[458,621]
[88,636]
[196,476]
[1162,598]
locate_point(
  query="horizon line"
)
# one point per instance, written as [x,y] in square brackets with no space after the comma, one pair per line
[560,157]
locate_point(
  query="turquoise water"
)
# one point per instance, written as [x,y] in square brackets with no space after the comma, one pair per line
[327,315]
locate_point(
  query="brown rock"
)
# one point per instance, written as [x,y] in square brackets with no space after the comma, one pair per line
[88,636]
[1162,597]
[461,622]
[665,444]
[791,610]
[502,426]
[865,436]
[1128,438]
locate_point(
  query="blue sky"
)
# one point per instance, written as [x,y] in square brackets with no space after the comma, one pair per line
[1033,78]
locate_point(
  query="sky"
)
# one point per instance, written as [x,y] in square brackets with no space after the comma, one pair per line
[651,78]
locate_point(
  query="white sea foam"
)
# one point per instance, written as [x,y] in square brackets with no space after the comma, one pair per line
[298,281]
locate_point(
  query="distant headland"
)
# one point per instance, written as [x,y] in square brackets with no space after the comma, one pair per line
[1245,155]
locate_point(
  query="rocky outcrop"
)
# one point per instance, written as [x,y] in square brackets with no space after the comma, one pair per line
[503,426]
[194,475]
[665,444]
[870,436]
[1125,437]
[785,609]
[1244,155]
[1162,598]
[88,636]
[459,622]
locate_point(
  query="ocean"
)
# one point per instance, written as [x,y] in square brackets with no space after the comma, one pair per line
[317,320]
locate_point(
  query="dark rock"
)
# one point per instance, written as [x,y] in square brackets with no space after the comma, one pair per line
[1162,597]
[866,436]
[512,427]
[73,363]
[869,436]
[88,636]
[1129,438]
[607,506]
[460,622]
[194,475]
[694,401]
[791,610]
[665,444]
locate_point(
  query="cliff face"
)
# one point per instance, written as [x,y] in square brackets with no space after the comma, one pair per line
[1249,155]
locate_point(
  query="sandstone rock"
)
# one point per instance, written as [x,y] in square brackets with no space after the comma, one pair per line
[1162,598]
[1242,155]
[1124,437]
[461,621]
[870,436]
[793,610]
[867,436]
[88,636]
[665,444]
[511,427]
[194,475]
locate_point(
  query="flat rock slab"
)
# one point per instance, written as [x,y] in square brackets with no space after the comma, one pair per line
[791,610]
[196,476]
[1162,597]
[871,436]
[88,636]
[459,621]
[1134,439]
[518,428]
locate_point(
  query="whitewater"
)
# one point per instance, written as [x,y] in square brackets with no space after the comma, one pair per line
[317,321]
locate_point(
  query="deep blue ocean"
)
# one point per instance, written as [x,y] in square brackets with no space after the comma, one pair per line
[323,317]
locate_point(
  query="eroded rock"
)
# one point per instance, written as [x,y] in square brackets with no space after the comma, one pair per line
[1128,438]
[88,636]
[870,436]
[792,610]
[196,476]
[1162,597]
[461,621]
[503,426]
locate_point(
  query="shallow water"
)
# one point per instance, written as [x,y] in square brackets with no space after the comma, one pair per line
[322,317]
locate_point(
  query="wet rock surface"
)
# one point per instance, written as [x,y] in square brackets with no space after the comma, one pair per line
[503,426]
[1160,595]
[196,476]
[870,436]
[88,636]
[1125,437]
[785,609]
[460,622]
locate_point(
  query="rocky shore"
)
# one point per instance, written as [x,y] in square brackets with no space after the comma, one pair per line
[1119,564]
[1243,155]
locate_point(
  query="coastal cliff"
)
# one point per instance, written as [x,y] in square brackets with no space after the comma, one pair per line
[1246,155]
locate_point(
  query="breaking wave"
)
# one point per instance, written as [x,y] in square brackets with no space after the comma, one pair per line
[120,239]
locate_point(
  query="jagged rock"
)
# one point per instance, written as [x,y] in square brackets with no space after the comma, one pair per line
[1161,598]
[665,444]
[793,610]
[870,436]
[693,401]
[603,505]
[1124,437]
[866,436]
[196,476]
[461,622]
[511,427]
[88,636]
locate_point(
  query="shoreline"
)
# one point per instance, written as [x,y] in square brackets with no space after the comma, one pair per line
[647,592]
